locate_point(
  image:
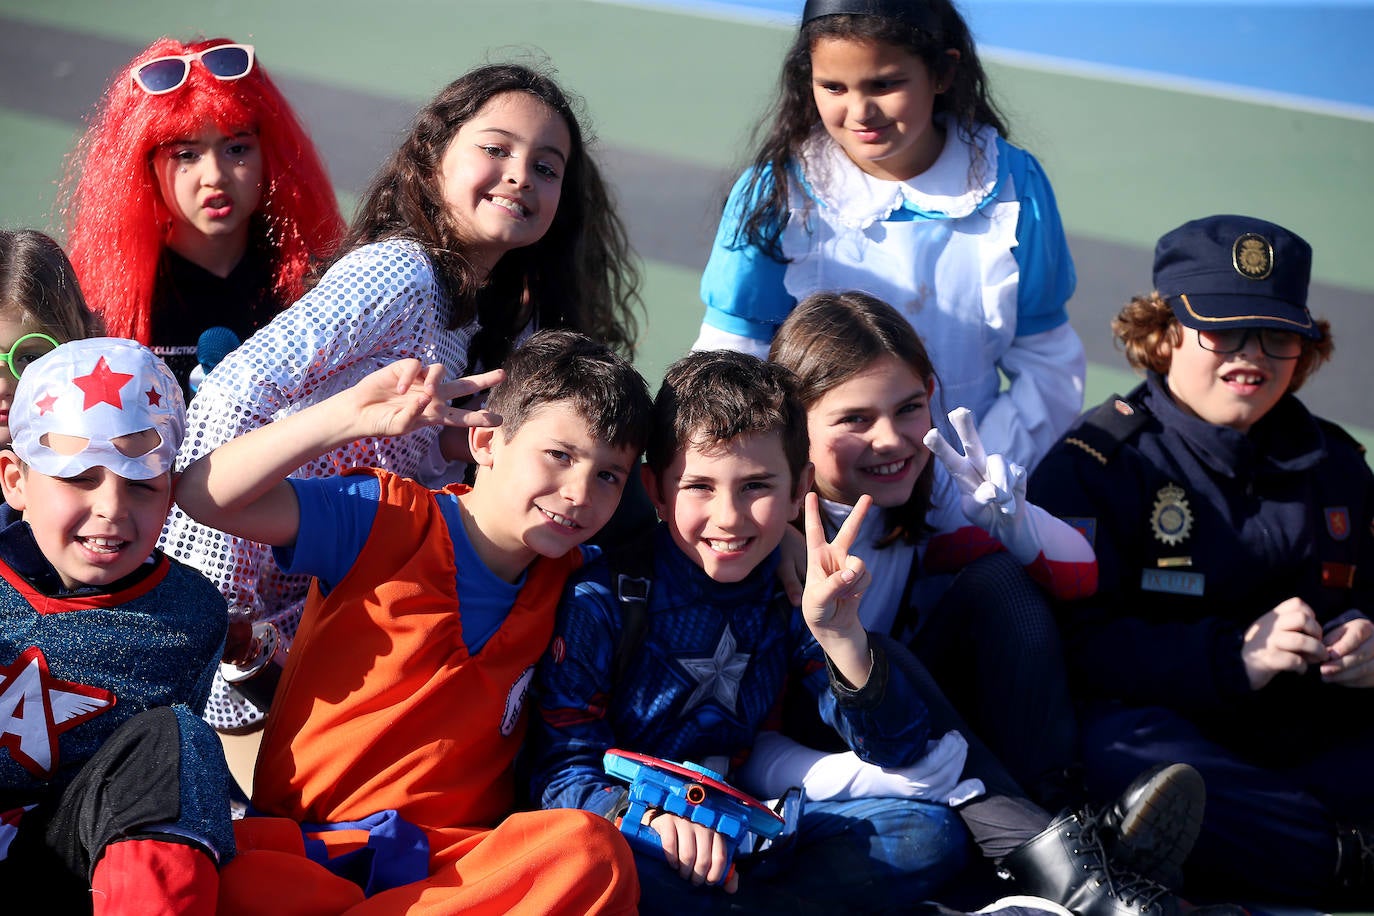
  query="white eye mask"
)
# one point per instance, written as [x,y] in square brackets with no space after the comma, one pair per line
[97,389]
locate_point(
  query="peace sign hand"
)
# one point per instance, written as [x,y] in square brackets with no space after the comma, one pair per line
[992,488]
[835,581]
[404,396]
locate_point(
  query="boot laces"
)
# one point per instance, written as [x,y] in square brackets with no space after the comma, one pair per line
[1131,889]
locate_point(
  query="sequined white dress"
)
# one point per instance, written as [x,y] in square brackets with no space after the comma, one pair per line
[377,304]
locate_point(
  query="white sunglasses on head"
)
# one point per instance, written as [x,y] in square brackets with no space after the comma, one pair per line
[167,74]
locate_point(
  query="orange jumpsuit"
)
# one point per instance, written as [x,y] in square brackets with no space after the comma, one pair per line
[381,706]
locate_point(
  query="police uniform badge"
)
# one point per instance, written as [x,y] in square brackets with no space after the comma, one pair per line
[1171,520]
[1253,256]
[1338,522]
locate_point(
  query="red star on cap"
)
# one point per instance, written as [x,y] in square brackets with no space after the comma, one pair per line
[45,403]
[102,385]
[154,399]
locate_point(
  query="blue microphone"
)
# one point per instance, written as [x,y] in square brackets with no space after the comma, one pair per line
[214,344]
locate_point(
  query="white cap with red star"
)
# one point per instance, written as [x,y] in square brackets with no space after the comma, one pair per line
[97,389]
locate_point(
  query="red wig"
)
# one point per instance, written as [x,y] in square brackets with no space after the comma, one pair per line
[117,222]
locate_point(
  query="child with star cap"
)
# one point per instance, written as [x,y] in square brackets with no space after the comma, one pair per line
[1231,625]
[113,790]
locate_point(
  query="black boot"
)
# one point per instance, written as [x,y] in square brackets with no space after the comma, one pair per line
[1354,867]
[1067,864]
[1151,828]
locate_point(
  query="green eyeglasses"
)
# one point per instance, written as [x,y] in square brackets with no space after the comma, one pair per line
[27,349]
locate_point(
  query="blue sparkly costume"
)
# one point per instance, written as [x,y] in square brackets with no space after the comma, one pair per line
[81,669]
[711,672]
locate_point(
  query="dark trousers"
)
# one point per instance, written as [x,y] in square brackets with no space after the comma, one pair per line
[161,774]
[993,646]
[1270,828]
[866,855]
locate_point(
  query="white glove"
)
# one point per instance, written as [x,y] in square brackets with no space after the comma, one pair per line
[993,497]
[992,489]
[778,762]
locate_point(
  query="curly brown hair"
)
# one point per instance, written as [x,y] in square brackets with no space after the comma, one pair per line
[1147,331]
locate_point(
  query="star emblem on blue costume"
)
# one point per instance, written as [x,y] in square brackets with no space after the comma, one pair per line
[717,677]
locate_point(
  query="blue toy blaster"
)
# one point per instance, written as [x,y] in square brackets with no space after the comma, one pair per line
[692,792]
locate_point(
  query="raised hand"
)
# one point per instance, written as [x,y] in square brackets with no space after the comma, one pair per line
[835,581]
[404,396]
[993,497]
[992,489]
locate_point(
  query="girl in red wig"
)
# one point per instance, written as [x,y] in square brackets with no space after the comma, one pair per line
[195,200]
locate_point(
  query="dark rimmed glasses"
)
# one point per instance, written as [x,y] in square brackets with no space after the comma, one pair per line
[167,74]
[1275,343]
[26,350]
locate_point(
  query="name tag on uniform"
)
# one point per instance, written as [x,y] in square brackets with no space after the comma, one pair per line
[1173,581]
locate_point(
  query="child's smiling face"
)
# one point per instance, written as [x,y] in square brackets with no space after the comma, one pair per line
[728,504]
[877,101]
[545,490]
[94,528]
[501,176]
[866,435]
[1227,389]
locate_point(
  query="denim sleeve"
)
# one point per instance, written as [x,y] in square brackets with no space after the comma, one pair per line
[884,722]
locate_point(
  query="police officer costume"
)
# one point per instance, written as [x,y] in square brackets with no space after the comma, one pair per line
[1199,530]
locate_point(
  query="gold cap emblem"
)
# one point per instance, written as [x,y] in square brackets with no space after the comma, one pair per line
[1172,520]
[1253,256]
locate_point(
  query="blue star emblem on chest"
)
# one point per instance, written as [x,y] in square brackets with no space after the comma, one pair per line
[717,677]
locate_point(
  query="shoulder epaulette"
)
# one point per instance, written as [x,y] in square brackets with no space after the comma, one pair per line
[1340,434]
[1102,430]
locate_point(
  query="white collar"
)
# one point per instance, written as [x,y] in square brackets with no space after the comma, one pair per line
[858,199]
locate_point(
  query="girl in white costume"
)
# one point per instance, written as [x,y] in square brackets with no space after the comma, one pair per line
[490,219]
[959,562]
[886,170]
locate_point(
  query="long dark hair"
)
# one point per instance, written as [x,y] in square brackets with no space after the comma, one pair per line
[580,275]
[965,103]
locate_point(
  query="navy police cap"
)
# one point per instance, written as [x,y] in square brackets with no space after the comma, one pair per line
[1236,271]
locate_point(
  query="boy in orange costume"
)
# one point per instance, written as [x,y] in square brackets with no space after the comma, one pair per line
[399,714]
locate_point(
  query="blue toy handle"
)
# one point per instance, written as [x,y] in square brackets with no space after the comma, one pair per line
[689,791]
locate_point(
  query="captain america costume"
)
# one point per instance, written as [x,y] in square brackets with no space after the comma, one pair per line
[710,672]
